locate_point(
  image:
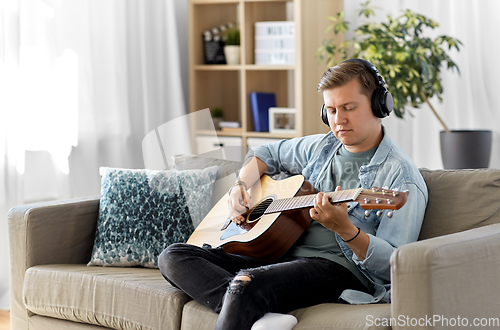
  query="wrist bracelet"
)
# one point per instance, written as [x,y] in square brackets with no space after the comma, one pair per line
[237,183]
[359,230]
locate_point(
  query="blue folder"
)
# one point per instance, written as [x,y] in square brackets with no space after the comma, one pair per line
[260,104]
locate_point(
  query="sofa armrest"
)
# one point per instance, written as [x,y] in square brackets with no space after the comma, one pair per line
[448,279]
[56,232]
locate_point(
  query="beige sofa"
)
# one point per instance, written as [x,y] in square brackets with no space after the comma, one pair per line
[451,276]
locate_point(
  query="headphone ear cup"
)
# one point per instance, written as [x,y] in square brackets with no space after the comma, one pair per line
[324,116]
[376,103]
[382,102]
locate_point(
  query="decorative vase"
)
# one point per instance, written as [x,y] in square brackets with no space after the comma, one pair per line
[232,54]
[462,149]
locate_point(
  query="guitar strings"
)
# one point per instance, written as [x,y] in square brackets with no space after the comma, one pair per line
[298,202]
[307,200]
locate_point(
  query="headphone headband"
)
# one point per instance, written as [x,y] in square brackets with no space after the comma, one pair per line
[379,81]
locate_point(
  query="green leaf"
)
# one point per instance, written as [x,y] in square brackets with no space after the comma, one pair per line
[401,49]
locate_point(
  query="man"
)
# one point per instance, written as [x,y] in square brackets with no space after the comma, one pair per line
[345,253]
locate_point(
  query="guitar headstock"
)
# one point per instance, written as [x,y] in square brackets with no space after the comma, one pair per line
[381,199]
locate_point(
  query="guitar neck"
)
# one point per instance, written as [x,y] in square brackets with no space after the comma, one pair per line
[299,202]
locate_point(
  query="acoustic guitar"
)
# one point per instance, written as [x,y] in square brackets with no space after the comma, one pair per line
[278,215]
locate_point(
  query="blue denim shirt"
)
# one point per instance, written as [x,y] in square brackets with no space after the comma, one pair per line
[389,168]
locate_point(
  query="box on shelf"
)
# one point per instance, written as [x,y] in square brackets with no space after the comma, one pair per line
[276,29]
[264,57]
[275,43]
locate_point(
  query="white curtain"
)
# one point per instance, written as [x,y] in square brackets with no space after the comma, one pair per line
[470,100]
[82,82]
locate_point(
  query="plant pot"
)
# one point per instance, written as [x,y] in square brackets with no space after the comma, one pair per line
[466,148]
[232,54]
[217,121]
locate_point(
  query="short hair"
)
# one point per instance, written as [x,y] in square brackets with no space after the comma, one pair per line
[343,73]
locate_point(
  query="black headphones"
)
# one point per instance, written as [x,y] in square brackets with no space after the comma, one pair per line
[382,102]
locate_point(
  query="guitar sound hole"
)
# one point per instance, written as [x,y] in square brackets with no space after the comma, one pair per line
[257,212]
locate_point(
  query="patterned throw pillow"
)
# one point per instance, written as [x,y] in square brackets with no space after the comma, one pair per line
[141,212]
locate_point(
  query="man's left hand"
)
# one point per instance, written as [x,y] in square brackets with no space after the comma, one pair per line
[332,216]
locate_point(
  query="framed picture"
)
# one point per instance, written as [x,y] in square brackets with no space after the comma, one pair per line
[282,120]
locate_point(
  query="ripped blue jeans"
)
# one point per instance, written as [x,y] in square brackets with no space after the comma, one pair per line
[242,289]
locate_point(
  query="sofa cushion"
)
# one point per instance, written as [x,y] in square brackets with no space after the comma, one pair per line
[44,322]
[197,316]
[118,298]
[227,171]
[343,316]
[319,317]
[141,212]
[460,200]
[190,162]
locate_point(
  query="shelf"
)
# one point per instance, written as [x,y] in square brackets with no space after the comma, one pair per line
[218,133]
[229,86]
[246,134]
[267,0]
[269,135]
[217,67]
[213,2]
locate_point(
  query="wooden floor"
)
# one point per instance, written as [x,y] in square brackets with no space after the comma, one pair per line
[4,320]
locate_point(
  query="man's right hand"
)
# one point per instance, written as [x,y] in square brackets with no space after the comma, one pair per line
[238,203]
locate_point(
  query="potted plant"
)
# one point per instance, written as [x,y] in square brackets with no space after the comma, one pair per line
[217,117]
[232,45]
[411,64]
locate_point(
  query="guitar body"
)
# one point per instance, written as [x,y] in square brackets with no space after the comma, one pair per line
[266,237]
[279,214]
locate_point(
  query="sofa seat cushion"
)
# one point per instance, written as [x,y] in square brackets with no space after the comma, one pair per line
[319,317]
[117,298]
[343,316]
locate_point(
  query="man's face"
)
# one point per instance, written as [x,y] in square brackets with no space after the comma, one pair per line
[351,118]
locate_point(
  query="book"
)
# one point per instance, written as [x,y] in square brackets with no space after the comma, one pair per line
[260,104]
[232,124]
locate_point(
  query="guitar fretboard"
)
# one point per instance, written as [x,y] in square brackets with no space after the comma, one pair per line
[294,203]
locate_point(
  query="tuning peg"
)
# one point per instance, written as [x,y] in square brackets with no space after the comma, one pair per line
[390,201]
[379,213]
[367,213]
[390,214]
